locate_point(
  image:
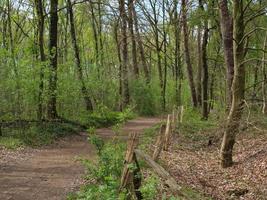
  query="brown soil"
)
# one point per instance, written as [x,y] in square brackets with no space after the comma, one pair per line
[51,172]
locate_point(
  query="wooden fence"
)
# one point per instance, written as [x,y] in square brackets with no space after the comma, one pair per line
[131,179]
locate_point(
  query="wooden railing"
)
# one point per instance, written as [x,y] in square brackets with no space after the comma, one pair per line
[131,179]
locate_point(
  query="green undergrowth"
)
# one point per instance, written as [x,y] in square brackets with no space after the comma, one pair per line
[103,175]
[104,117]
[11,142]
[44,133]
[36,134]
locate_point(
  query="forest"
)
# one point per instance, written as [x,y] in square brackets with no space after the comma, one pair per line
[130,99]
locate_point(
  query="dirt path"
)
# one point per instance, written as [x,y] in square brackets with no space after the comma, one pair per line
[51,173]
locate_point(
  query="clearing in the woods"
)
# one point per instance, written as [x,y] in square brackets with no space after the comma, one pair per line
[52,172]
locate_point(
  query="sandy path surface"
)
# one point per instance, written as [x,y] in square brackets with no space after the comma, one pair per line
[50,173]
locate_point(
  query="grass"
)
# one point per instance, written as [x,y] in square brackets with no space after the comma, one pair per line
[44,133]
[36,134]
[11,143]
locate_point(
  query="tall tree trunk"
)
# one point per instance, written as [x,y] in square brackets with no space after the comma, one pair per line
[125,62]
[199,66]
[101,47]
[264,73]
[84,90]
[132,35]
[94,26]
[204,64]
[120,61]
[205,71]
[187,56]
[52,99]
[165,57]
[227,36]
[177,58]
[40,28]
[18,96]
[141,47]
[238,87]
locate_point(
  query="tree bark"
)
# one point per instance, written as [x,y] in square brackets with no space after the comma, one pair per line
[125,62]
[199,65]
[264,74]
[40,16]
[52,99]
[177,55]
[187,56]
[227,36]
[204,64]
[205,71]
[238,87]
[84,90]
[132,35]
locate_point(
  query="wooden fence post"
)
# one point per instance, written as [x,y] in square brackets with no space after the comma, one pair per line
[159,142]
[167,133]
[129,178]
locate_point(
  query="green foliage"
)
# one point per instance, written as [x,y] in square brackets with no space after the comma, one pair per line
[104,117]
[106,173]
[98,142]
[149,188]
[36,134]
[10,142]
[144,97]
[44,134]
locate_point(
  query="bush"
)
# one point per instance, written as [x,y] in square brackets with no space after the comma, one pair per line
[144,98]
[46,133]
[106,173]
[103,117]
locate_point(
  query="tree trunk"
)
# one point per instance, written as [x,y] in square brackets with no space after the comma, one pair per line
[205,71]
[125,62]
[187,56]
[132,35]
[238,88]
[199,65]
[40,16]
[264,73]
[227,36]
[177,55]
[141,47]
[84,90]
[165,57]
[18,97]
[52,100]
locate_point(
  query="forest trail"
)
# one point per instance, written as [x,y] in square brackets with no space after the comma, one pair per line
[52,172]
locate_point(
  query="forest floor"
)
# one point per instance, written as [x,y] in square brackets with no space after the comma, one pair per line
[193,160]
[53,171]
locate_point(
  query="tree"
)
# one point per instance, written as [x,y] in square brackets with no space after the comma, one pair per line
[264,73]
[187,56]
[41,20]
[132,35]
[125,61]
[52,99]
[84,90]
[238,87]
[227,36]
